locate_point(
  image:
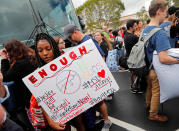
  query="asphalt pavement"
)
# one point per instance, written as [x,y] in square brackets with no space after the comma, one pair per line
[128,113]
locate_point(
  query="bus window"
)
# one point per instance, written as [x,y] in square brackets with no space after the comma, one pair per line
[18,22]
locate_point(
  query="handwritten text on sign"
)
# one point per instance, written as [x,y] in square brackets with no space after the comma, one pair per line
[72,83]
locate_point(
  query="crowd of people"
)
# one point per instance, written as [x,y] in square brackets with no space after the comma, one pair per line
[21,111]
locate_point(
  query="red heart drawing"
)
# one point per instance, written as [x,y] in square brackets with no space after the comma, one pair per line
[102,73]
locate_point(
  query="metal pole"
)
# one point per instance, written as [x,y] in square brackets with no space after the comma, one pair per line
[35,14]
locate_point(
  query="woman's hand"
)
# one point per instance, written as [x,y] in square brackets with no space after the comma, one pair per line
[54,125]
[3,53]
[57,126]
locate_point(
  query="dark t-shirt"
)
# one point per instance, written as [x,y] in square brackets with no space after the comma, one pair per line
[19,70]
[104,47]
[129,40]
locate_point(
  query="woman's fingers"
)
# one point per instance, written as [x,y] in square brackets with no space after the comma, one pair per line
[62,126]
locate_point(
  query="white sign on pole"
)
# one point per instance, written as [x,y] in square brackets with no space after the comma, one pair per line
[72,83]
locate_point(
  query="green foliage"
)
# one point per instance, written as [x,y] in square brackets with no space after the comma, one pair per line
[97,13]
[175,2]
[143,15]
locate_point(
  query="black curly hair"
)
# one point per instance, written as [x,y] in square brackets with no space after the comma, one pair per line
[44,36]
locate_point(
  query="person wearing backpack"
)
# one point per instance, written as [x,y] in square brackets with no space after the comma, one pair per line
[159,42]
[130,39]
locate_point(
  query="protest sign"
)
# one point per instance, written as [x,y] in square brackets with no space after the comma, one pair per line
[72,83]
[168,76]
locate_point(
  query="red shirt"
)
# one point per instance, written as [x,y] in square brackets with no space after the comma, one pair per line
[111,36]
[38,117]
[122,35]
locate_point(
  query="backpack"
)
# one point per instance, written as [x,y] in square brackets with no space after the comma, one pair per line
[111,60]
[137,61]
[117,43]
[123,62]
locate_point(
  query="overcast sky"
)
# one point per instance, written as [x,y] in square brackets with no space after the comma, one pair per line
[131,6]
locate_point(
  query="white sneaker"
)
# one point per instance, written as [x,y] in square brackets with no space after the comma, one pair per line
[107,125]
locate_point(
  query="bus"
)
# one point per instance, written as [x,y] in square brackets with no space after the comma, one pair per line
[21,18]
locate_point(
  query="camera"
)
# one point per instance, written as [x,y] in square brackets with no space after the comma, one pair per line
[172,10]
[177,14]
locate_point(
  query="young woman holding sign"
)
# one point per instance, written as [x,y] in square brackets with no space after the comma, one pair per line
[46,51]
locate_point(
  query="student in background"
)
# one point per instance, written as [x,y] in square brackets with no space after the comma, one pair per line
[111,36]
[103,42]
[130,39]
[166,25]
[61,44]
[17,62]
[107,35]
[139,28]
[73,34]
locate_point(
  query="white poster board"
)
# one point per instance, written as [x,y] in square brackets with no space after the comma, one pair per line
[168,76]
[72,83]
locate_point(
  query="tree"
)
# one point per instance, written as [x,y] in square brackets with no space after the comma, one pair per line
[97,13]
[174,2]
[143,15]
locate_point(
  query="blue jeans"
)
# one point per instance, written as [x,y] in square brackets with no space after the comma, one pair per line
[120,53]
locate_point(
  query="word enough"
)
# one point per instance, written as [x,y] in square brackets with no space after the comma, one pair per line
[62,62]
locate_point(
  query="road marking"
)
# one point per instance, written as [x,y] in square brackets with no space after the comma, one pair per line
[73,129]
[122,124]
[125,125]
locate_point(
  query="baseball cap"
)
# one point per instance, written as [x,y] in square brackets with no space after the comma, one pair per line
[68,30]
